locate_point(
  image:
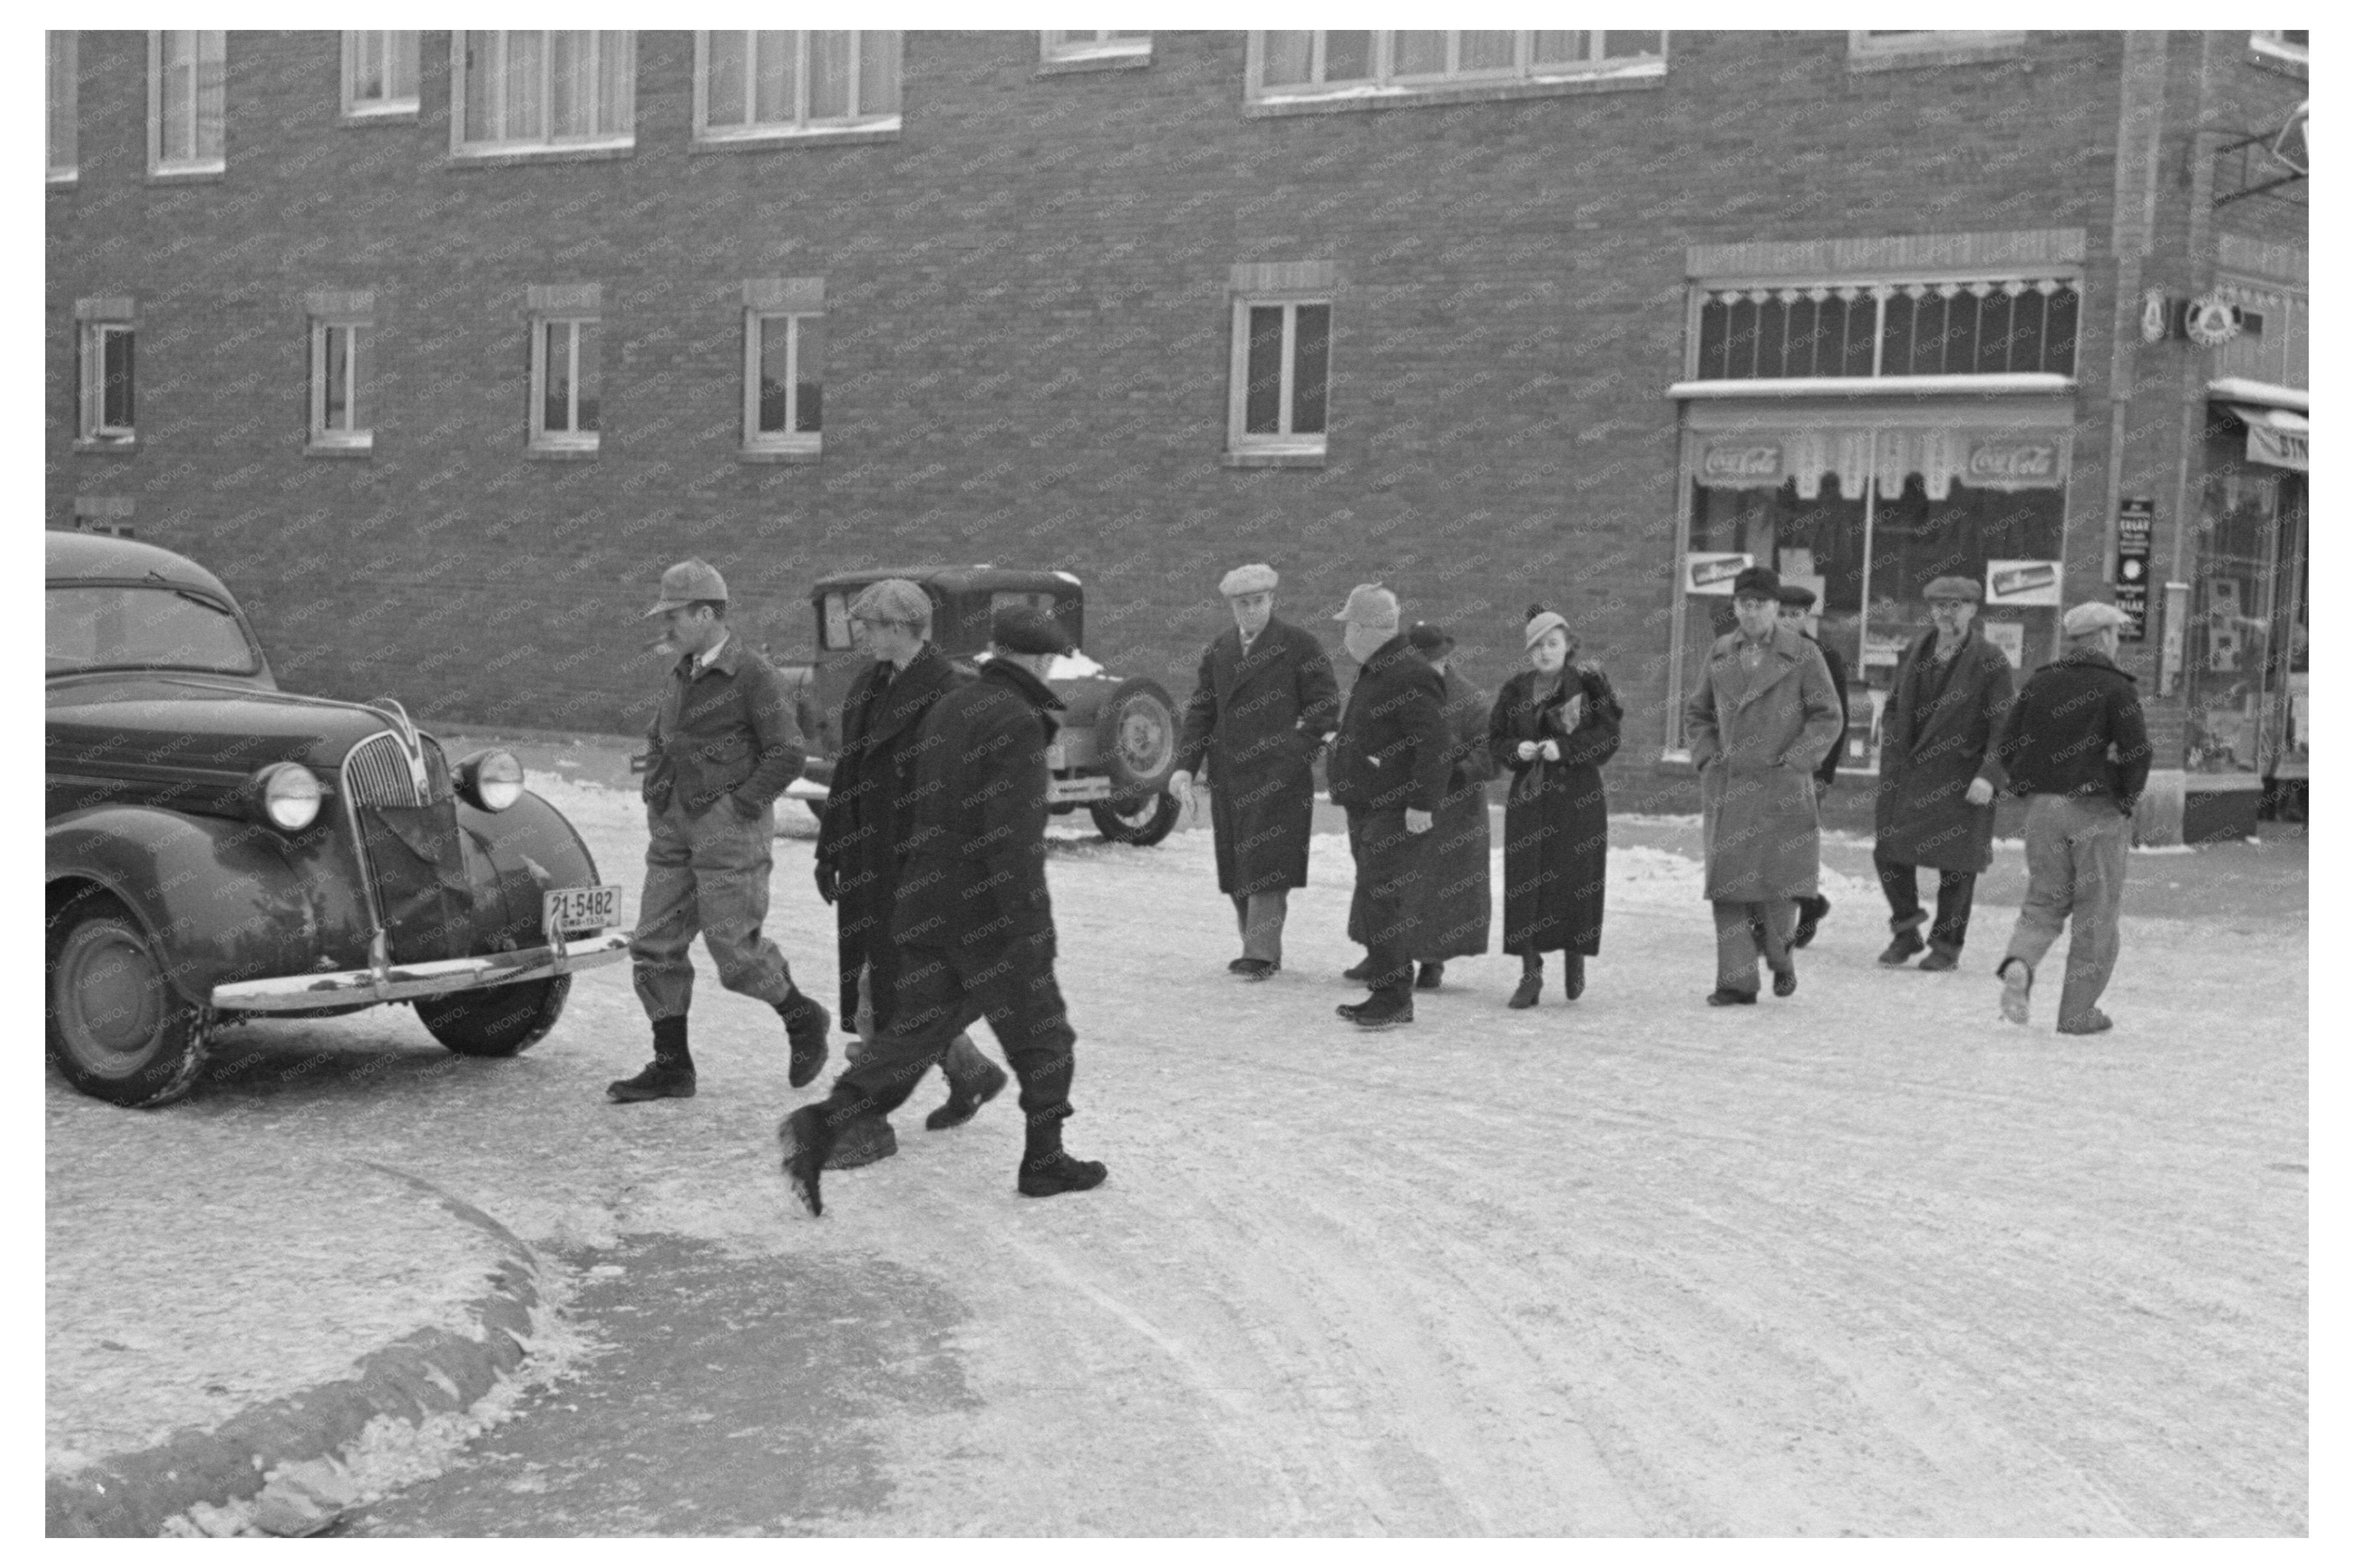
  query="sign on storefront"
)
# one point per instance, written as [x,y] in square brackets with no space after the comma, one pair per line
[2034,461]
[1713,571]
[1741,463]
[2281,448]
[2129,588]
[2022,583]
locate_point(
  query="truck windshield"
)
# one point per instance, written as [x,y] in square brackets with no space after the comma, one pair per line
[118,627]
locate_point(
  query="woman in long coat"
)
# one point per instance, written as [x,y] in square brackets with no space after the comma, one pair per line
[1456,906]
[1554,726]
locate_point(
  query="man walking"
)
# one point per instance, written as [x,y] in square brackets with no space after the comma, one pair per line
[1759,722]
[971,917]
[1388,771]
[1264,704]
[1938,774]
[724,746]
[1797,602]
[857,861]
[2076,748]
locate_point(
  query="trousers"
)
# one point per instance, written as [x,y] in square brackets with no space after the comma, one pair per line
[963,1062]
[1389,877]
[1260,917]
[707,873]
[2075,876]
[1739,930]
[1956,889]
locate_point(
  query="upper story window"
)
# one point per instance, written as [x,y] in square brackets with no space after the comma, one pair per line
[542,92]
[186,103]
[64,158]
[1967,326]
[1869,49]
[2287,45]
[1081,50]
[380,74]
[1287,65]
[759,85]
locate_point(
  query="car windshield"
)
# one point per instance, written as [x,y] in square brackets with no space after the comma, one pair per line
[113,627]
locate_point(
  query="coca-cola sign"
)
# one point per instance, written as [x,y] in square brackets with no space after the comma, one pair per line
[1759,460]
[2015,463]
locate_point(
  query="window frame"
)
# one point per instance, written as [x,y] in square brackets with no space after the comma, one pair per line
[2272,45]
[1062,51]
[62,57]
[1387,84]
[1881,286]
[539,438]
[373,110]
[802,128]
[1957,45]
[1285,443]
[791,440]
[547,144]
[322,437]
[90,426]
[158,167]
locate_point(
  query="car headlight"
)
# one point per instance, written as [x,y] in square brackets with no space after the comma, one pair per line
[290,795]
[490,780]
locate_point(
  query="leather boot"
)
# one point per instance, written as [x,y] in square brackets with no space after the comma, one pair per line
[1573,975]
[1532,984]
[1047,1170]
[806,1023]
[974,1081]
[669,1077]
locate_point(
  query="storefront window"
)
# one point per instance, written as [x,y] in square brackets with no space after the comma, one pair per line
[2245,649]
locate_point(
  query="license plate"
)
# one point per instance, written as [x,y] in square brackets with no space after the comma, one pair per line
[570,909]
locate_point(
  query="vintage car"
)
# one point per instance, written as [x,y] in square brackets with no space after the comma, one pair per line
[219,849]
[1117,741]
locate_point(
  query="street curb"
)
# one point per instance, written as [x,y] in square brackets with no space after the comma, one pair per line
[428,1372]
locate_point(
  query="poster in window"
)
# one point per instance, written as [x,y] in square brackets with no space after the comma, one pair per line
[1713,571]
[2010,637]
[2022,583]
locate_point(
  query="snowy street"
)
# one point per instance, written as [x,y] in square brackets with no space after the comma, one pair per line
[1865,1261]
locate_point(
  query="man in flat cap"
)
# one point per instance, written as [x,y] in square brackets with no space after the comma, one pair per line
[1759,721]
[1388,771]
[1264,704]
[1938,774]
[723,747]
[2076,748]
[857,860]
[971,916]
[1797,602]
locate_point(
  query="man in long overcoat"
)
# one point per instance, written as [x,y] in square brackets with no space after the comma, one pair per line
[1797,601]
[1451,920]
[1759,721]
[1264,704]
[1938,774]
[972,918]
[857,859]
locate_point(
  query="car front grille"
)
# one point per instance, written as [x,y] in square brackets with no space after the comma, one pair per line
[377,773]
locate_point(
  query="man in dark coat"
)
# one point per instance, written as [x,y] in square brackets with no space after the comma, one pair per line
[1451,920]
[1388,771]
[1264,704]
[857,860]
[1797,602]
[1938,774]
[972,917]
[2076,747]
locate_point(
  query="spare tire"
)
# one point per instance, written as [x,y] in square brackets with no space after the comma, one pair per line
[1136,738]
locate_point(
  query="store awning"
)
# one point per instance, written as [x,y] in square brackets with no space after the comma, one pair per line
[1753,446]
[2275,436]
[2267,393]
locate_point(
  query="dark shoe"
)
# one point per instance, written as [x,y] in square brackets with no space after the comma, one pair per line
[655,1081]
[1785,982]
[1526,994]
[1251,969]
[806,1142]
[806,1023]
[1902,948]
[961,1105]
[1725,996]
[1360,971]
[862,1143]
[2092,1021]
[1939,961]
[1374,1014]
[1427,978]
[2017,981]
[1044,1175]
[1573,975]
[1810,914]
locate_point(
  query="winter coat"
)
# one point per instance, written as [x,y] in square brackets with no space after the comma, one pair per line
[1259,720]
[1756,738]
[865,810]
[2077,730]
[1827,773]
[1556,817]
[973,873]
[1452,913]
[727,730]
[1391,751]
[1937,734]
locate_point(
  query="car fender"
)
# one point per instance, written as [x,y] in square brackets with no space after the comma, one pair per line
[222,899]
[532,847]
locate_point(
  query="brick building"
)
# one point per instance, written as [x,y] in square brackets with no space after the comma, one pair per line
[437,346]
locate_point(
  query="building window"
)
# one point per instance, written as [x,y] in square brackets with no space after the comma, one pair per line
[784,381]
[1281,365]
[107,382]
[564,383]
[1871,49]
[186,103]
[2245,637]
[380,74]
[1339,64]
[1080,51]
[64,80]
[341,353]
[520,92]
[760,85]
[2286,45]
[1979,326]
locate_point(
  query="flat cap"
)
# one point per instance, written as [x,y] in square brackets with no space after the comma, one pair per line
[1962,588]
[1257,578]
[1758,582]
[1429,639]
[685,583]
[2083,619]
[1026,629]
[894,599]
[1796,596]
[1370,604]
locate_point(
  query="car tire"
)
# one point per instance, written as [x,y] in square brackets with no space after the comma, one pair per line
[1136,738]
[1144,824]
[502,1021]
[117,1030]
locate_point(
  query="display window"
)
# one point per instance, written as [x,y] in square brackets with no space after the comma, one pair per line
[2245,645]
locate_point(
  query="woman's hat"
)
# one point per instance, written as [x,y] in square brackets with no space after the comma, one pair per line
[1542,620]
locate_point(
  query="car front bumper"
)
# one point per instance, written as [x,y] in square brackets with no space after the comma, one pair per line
[406,982]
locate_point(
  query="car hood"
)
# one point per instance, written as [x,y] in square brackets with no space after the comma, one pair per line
[196,723]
